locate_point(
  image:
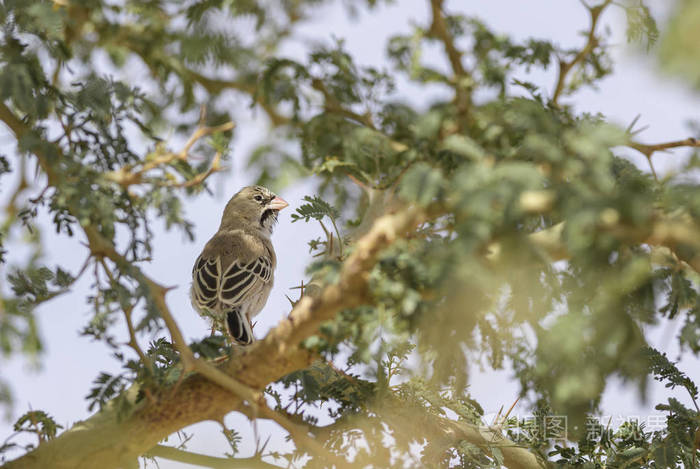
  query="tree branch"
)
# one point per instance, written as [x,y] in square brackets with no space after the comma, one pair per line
[439,29]
[591,43]
[187,457]
[648,150]
[462,77]
[300,435]
[128,175]
[216,86]
[127,310]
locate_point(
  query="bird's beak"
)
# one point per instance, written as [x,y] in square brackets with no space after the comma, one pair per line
[278,203]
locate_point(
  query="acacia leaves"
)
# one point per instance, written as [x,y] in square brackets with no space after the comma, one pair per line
[641,26]
[315,208]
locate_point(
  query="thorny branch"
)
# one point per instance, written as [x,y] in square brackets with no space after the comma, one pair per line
[130,175]
[648,150]
[591,43]
[187,457]
[462,77]
[127,310]
[300,435]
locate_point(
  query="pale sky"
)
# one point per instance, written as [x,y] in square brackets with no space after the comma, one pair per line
[72,362]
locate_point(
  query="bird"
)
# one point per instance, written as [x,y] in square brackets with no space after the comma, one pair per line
[233,276]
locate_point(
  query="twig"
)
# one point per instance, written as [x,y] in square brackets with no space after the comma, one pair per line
[127,175]
[158,293]
[201,132]
[340,240]
[257,400]
[201,177]
[505,417]
[128,309]
[648,150]
[11,206]
[300,434]
[591,43]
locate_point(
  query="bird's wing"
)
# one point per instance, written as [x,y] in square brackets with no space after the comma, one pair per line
[205,281]
[232,266]
[241,279]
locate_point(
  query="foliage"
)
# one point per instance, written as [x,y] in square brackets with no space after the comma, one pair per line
[678,51]
[539,247]
[35,422]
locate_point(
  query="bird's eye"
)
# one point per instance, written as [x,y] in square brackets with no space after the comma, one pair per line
[258,198]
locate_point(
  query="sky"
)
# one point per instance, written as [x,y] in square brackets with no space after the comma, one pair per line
[64,376]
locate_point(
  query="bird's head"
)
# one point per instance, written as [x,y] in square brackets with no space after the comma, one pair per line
[255,207]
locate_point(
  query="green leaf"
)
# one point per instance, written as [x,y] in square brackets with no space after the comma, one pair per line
[38,422]
[641,26]
[422,184]
[315,208]
[665,370]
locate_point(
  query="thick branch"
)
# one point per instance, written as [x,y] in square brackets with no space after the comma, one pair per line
[439,28]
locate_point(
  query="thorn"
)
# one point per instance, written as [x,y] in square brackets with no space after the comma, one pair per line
[290,300]
[505,417]
[495,421]
[630,127]
[262,448]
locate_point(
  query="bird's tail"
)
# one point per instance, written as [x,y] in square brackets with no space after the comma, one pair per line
[239,327]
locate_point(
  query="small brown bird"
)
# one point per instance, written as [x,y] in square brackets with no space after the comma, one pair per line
[233,276]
